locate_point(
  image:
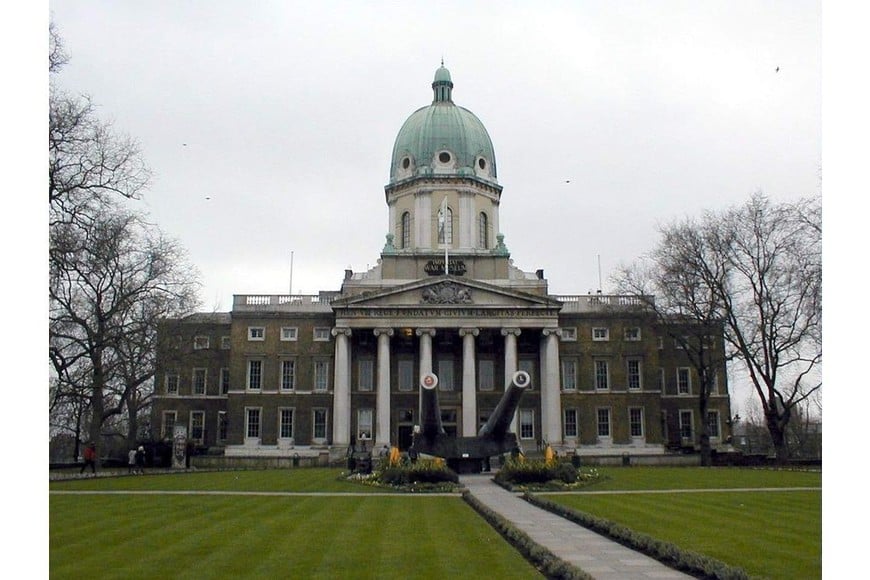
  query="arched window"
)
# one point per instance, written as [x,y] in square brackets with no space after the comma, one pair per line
[445,227]
[482,239]
[406,230]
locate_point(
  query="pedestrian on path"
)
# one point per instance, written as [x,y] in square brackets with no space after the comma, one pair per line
[90,456]
[131,461]
[140,460]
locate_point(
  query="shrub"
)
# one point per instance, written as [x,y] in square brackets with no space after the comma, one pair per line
[423,471]
[566,472]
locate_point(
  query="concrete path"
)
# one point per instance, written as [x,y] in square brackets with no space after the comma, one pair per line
[596,555]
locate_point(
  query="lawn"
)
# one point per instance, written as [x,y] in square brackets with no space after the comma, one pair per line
[231,536]
[775,534]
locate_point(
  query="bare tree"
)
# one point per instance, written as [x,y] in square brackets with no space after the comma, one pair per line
[759,266]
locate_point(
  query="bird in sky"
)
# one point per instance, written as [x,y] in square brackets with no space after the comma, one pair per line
[777,69]
[567,181]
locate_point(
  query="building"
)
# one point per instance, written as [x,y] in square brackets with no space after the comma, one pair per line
[282,375]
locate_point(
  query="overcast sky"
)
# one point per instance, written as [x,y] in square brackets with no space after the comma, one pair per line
[269,125]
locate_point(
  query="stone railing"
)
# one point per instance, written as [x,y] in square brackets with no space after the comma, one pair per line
[283,302]
[598,302]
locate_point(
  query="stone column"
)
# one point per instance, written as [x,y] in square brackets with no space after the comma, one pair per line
[425,335]
[341,389]
[382,432]
[551,408]
[469,390]
[510,365]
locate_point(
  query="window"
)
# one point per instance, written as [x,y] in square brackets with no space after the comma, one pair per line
[569,374]
[319,424]
[366,379]
[603,422]
[445,374]
[225,381]
[482,228]
[321,334]
[256,333]
[569,334]
[633,373]
[686,424]
[406,374]
[200,342]
[486,375]
[602,375]
[632,334]
[321,376]
[570,423]
[713,423]
[527,423]
[252,422]
[406,230]
[680,343]
[289,333]
[661,343]
[662,378]
[168,429]
[225,342]
[255,374]
[635,421]
[600,334]
[285,423]
[197,426]
[364,419]
[222,426]
[170,383]
[288,375]
[199,378]
[684,381]
[445,227]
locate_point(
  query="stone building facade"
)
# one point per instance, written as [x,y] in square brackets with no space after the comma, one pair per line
[285,375]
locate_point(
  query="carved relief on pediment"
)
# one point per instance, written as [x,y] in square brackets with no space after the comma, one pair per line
[446,293]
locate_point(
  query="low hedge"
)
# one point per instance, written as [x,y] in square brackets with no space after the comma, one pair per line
[669,554]
[543,559]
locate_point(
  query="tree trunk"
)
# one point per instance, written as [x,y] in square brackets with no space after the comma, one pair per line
[777,437]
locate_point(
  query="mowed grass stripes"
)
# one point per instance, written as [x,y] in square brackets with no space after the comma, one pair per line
[136,536]
[772,534]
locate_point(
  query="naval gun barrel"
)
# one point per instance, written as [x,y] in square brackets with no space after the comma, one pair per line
[500,420]
[430,413]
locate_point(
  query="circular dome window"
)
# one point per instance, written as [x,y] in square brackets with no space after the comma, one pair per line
[406,163]
[444,157]
[481,163]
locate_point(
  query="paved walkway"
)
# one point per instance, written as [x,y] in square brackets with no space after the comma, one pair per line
[596,555]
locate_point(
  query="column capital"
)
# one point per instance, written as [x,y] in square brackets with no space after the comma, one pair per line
[513,331]
[422,331]
[343,331]
[469,331]
[386,331]
[557,332]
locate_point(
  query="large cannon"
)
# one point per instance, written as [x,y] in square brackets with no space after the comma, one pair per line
[468,454]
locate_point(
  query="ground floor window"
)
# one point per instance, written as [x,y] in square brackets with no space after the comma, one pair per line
[527,424]
[686,424]
[603,422]
[570,424]
[285,423]
[222,426]
[364,419]
[635,422]
[168,430]
[319,424]
[252,423]
[713,423]
[197,426]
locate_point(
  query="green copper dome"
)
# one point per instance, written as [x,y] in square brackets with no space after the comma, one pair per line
[443,139]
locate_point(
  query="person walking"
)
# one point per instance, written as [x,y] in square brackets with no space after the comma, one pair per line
[140,460]
[131,461]
[90,456]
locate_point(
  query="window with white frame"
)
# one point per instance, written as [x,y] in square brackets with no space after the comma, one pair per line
[445,374]
[686,424]
[289,333]
[634,373]
[635,422]
[222,424]
[252,422]
[486,374]
[570,424]
[288,374]
[602,375]
[569,374]
[406,374]
[714,386]
[405,233]
[200,342]
[199,379]
[168,427]
[226,343]
[713,423]
[256,333]
[321,376]
[445,227]
[632,334]
[684,381]
[527,423]
[603,416]
[569,334]
[285,423]
[225,381]
[600,333]
[197,426]
[482,229]
[366,374]
[255,374]
[322,334]
[170,384]
[319,424]
[364,422]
